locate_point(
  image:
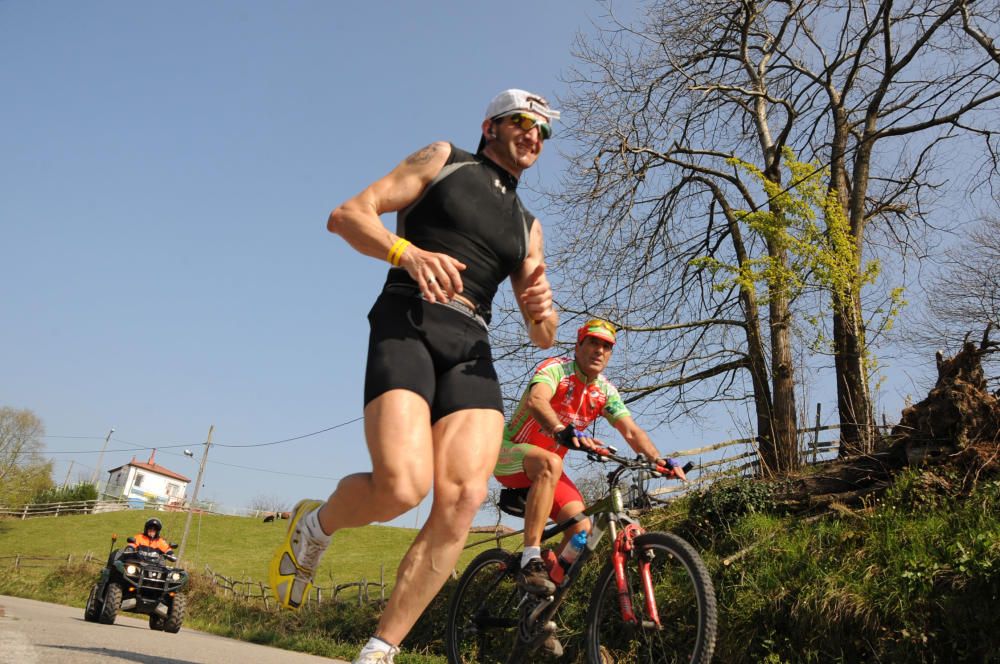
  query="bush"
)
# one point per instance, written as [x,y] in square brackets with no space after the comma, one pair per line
[66,494]
[720,507]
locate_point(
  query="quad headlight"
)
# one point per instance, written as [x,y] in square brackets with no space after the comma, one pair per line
[175,576]
[131,569]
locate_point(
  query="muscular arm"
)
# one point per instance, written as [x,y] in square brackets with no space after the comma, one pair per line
[357,221]
[533,293]
[637,439]
[540,406]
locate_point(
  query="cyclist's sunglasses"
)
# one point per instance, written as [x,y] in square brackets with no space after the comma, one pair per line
[526,122]
[596,322]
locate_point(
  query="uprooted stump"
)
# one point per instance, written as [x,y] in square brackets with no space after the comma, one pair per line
[960,415]
[958,422]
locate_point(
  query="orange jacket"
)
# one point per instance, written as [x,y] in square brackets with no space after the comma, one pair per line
[158,544]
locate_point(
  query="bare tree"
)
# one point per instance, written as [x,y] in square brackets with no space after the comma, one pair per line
[268,503]
[963,296]
[689,136]
[20,440]
[23,470]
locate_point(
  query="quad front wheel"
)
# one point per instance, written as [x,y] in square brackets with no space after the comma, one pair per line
[172,624]
[112,602]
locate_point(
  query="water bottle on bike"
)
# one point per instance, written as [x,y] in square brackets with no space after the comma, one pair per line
[557,572]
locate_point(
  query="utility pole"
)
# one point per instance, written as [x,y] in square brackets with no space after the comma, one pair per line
[100,460]
[66,483]
[194,496]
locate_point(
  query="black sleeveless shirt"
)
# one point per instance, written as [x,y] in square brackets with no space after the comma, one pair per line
[469,211]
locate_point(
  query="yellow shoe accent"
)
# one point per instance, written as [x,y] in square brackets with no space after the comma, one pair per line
[293,566]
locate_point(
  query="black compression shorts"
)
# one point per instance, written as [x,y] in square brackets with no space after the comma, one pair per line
[431,349]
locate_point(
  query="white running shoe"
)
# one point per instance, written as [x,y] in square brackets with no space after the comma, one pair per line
[369,655]
[293,566]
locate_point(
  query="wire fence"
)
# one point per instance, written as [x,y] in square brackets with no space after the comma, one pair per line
[251,590]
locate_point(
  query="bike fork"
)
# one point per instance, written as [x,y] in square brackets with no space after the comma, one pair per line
[624,545]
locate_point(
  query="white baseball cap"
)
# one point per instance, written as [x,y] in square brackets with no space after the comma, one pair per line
[512,101]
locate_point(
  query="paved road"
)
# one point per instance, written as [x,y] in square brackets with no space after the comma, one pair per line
[39,633]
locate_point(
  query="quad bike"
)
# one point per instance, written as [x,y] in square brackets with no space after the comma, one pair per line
[139,581]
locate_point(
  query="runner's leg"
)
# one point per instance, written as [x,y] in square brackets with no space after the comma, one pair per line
[466,444]
[398,432]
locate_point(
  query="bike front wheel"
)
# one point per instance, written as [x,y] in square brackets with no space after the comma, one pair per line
[483,613]
[681,595]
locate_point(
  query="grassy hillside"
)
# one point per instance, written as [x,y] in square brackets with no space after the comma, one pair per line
[236,547]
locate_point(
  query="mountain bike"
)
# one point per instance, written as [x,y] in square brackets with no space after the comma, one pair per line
[653,600]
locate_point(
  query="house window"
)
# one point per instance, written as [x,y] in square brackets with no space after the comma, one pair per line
[173,490]
[138,479]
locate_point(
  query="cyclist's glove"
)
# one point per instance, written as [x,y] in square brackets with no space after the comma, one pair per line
[566,436]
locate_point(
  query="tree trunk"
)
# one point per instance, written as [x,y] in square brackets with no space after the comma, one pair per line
[782,377]
[857,419]
[766,434]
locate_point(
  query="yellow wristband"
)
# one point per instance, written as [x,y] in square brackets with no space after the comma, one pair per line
[396,252]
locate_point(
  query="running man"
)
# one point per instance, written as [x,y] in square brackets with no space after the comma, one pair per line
[563,397]
[433,412]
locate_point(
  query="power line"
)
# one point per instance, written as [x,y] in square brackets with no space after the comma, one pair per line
[146,446]
[288,440]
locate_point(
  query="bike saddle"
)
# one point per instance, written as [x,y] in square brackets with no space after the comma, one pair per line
[512,501]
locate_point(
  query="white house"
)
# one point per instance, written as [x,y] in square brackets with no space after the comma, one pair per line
[146,482]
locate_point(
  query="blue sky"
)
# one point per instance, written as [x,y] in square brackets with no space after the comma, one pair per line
[166,176]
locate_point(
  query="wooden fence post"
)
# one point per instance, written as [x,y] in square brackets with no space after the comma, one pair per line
[819,409]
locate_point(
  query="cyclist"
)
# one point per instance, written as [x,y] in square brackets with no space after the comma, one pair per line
[433,409]
[564,396]
[149,539]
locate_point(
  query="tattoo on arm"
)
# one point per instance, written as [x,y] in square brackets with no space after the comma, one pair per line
[423,155]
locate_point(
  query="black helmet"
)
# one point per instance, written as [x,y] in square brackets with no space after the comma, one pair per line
[155,525]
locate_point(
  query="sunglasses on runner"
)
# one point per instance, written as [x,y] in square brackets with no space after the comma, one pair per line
[526,122]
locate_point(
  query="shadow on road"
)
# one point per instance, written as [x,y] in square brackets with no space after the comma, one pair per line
[125,655]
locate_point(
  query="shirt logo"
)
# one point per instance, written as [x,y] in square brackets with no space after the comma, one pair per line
[499,185]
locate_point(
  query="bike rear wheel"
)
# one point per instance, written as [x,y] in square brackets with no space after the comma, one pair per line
[483,615]
[684,600]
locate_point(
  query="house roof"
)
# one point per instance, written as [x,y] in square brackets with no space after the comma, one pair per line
[153,467]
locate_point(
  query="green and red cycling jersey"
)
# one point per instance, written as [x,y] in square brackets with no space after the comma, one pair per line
[576,401]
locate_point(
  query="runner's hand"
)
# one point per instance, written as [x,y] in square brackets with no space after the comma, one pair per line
[437,275]
[536,298]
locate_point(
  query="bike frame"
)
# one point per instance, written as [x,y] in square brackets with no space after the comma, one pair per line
[609,516]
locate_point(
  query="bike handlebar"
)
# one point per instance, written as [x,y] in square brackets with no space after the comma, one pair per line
[668,469]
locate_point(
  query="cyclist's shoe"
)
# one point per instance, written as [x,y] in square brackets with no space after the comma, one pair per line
[293,566]
[370,656]
[552,646]
[534,578]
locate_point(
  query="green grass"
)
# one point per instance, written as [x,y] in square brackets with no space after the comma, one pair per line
[236,547]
